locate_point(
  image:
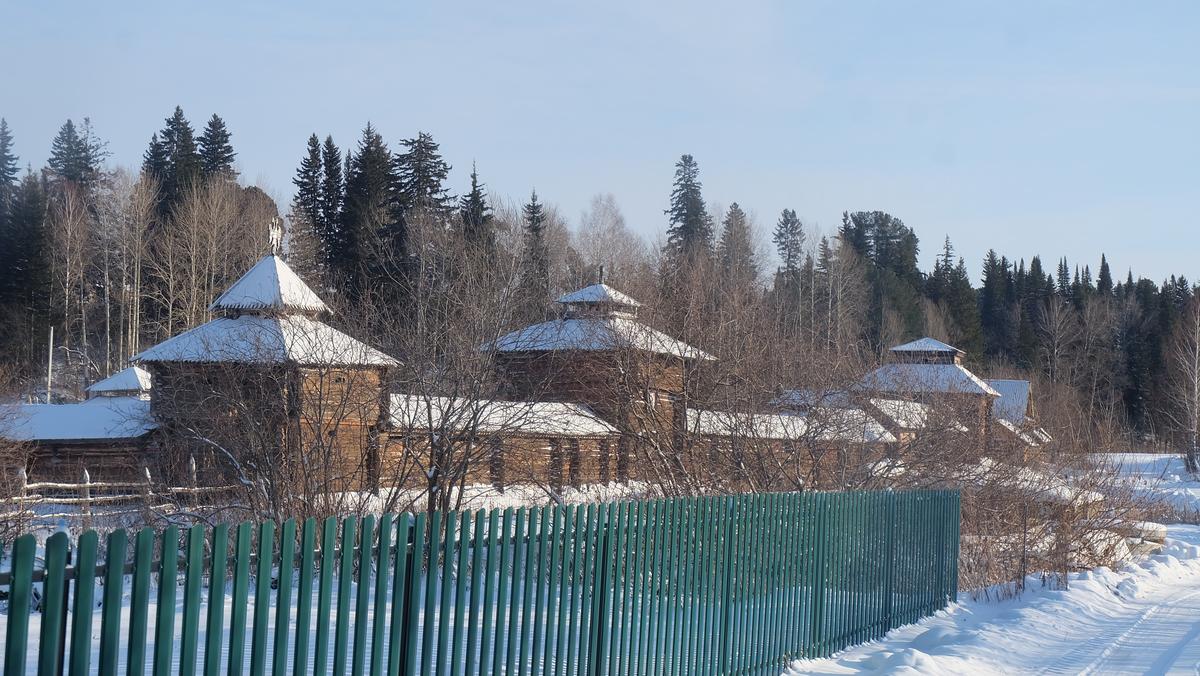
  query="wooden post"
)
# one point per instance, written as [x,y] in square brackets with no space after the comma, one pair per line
[86,494]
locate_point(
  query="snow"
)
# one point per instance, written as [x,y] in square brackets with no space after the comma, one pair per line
[269,286]
[1143,618]
[134,379]
[484,416]
[848,425]
[1013,401]
[1159,476]
[919,378]
[1033,438]
[925,345]
[749,425]
[599,333]
[265,340]
[101,419]
[599,294]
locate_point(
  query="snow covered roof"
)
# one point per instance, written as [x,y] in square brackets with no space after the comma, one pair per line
[909,415]
[256,339]
[926,345]
[100,419]
[269,286]
[1013,402]
[748,425]
[840,425]
[848,425]
[923,378]
[599,333]
[487,416]
[804,399]
[132,379]
[599,294]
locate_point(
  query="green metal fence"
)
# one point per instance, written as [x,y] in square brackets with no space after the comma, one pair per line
[715,585]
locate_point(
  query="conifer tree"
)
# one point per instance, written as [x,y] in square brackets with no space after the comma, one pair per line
[8,169]
[155,161]
[305,245]
[183,164]
[476,217]
[789,242]
[216,151]
[76,154]
[690,233]
[535,261]
[736,250]
[307,203]
[24,264]
[374,240]
[332,198]
[421,174]
[1104,283]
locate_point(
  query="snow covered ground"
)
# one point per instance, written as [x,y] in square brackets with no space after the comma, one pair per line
[1141,619]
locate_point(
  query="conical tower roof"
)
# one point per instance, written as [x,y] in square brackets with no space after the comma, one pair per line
[267,288]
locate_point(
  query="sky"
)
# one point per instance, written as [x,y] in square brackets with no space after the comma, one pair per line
[1051,128]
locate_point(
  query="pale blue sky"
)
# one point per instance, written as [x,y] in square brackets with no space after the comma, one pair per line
[1042,127]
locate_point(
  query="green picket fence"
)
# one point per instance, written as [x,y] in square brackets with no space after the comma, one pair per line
[714,585]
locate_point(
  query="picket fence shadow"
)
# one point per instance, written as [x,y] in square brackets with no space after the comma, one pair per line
[711,585]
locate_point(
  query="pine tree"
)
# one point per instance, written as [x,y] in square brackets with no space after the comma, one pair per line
[421,174]
[690,233]
[1104,284]
[736,251]
[535,259]
[369,217]
[216,152]
[24,266]
[789,242]
[476,218]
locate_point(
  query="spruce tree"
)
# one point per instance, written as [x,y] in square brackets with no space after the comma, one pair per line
[370,217]
[183,167]
[156,162]
[1104,283]
[476,217]
[24,265]
[736,250]
[690,229]
[75,153]
[535,258]
[216,152]
[421,174]
[789,242]
[307,203]
[332,197]
[8,169]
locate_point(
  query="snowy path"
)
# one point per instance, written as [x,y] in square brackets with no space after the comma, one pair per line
[1143,619]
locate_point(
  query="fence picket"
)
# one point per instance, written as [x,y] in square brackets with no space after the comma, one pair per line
[193,576]
[50,644]
[283,597]
[262,598]
[325,584]
[243,551]
[341,631]
[110,607]
[214,627]
[84,607]
[363,599]
[304,592]
[383,556]
[20,593]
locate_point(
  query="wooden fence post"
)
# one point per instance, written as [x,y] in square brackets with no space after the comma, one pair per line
[86,494]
